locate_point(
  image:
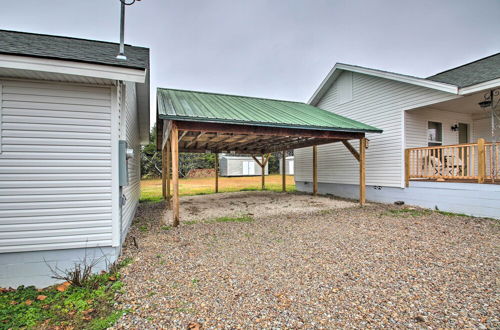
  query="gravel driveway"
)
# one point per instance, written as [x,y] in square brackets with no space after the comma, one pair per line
[334,265]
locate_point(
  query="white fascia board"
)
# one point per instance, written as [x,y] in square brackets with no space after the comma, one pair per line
[479,87]
[72,68]
[339,67]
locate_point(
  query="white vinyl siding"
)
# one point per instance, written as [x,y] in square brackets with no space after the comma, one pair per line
[482,129]
[129,131]
[55,166]
[416,122]
[375,101]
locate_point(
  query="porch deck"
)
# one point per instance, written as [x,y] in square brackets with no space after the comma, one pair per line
[465,163]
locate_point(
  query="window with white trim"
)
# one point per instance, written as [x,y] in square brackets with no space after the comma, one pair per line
[434,134]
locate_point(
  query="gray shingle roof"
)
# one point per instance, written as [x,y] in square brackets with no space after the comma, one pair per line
[476,72]
[74,49]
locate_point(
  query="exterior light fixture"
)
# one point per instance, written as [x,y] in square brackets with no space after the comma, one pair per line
[485,104]
[454,128]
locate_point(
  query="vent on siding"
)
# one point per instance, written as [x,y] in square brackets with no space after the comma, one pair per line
[344,88]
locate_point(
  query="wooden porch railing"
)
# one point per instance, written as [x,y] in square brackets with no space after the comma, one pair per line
[471,161]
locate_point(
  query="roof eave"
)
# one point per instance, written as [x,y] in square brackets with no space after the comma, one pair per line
[485,85]
[69,67]
[277,125]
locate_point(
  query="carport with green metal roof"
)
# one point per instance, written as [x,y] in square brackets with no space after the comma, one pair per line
[189,121]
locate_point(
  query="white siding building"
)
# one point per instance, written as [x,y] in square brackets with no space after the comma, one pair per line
[407,109]
[240,166]
[61,119]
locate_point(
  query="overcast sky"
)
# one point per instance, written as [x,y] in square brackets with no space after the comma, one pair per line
[274,48]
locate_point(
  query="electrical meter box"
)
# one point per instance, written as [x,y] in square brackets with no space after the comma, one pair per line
[124,153]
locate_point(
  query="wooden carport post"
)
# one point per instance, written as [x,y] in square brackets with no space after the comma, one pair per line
[262,164]
[216,172]
[283,175]
[165,171]
[361,158]
[263,174]
[362,171]
[174,140]
[315,170]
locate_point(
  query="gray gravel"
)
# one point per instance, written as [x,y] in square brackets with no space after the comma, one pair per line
[345,267]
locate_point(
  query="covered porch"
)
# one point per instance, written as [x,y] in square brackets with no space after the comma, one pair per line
[451,141]
[215,123]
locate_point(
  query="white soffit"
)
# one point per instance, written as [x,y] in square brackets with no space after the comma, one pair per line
[72,68]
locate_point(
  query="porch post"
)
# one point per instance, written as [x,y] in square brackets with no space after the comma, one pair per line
[362,171]
[174,140]
[315,170]
[283,174]
[216,172]
[481,161]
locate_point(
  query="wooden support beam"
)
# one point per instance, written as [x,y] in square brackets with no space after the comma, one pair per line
[267,156]
[264,130]
[257,161]
[164,172]
[362,171]
[283,174]
[168,161]
[315,170]
[174,139]
[216,172]
[263,174]
[195,139]
[183,135]
[481,161]
[167,127]
[353,150]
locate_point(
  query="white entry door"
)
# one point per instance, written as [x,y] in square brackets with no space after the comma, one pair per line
[248,168]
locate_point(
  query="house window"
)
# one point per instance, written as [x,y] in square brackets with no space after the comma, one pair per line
[434,134]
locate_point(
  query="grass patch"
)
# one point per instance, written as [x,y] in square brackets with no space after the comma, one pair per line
[189,222]
[405,212]
[166,227]
[90,306]
[151,191]
[143,228]
[245,218]
[451,214]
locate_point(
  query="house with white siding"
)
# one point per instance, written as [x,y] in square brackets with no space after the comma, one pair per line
[72,120]
[437,149]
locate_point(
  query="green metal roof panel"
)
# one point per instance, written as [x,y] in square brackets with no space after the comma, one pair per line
[210,107]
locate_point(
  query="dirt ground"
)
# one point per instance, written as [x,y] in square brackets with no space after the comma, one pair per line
[257,204]
[303,262]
